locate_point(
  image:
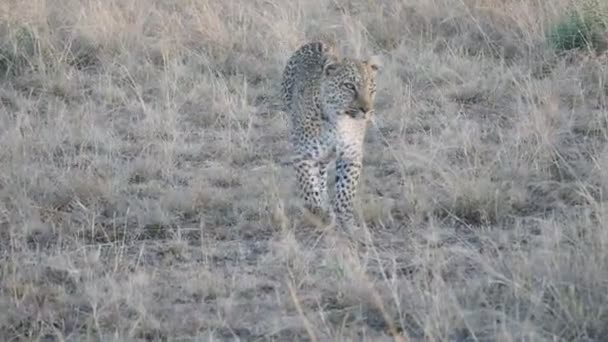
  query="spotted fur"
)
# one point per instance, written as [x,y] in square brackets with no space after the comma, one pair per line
[329,101]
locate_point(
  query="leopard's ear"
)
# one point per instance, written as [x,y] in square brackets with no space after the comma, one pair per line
[332,63]
[374,62]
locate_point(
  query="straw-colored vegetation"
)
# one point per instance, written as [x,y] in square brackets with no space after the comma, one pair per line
[146,191]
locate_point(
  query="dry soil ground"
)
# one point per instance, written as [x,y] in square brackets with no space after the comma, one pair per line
[145,178]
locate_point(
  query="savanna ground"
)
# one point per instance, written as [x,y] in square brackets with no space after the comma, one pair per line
[145,184]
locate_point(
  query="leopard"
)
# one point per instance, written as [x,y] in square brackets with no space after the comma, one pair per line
[329,99]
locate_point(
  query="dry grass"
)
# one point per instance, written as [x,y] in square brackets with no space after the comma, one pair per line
[145,184]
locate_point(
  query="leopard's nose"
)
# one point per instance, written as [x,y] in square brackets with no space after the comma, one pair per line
[364,104]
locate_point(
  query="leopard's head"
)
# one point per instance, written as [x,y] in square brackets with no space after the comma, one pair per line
[348,86]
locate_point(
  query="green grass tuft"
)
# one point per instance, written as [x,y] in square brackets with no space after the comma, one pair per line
[584,29]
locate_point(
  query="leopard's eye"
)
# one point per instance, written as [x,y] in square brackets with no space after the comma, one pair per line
[349,86]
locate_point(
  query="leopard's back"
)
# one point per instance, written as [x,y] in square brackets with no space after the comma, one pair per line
[302,74]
